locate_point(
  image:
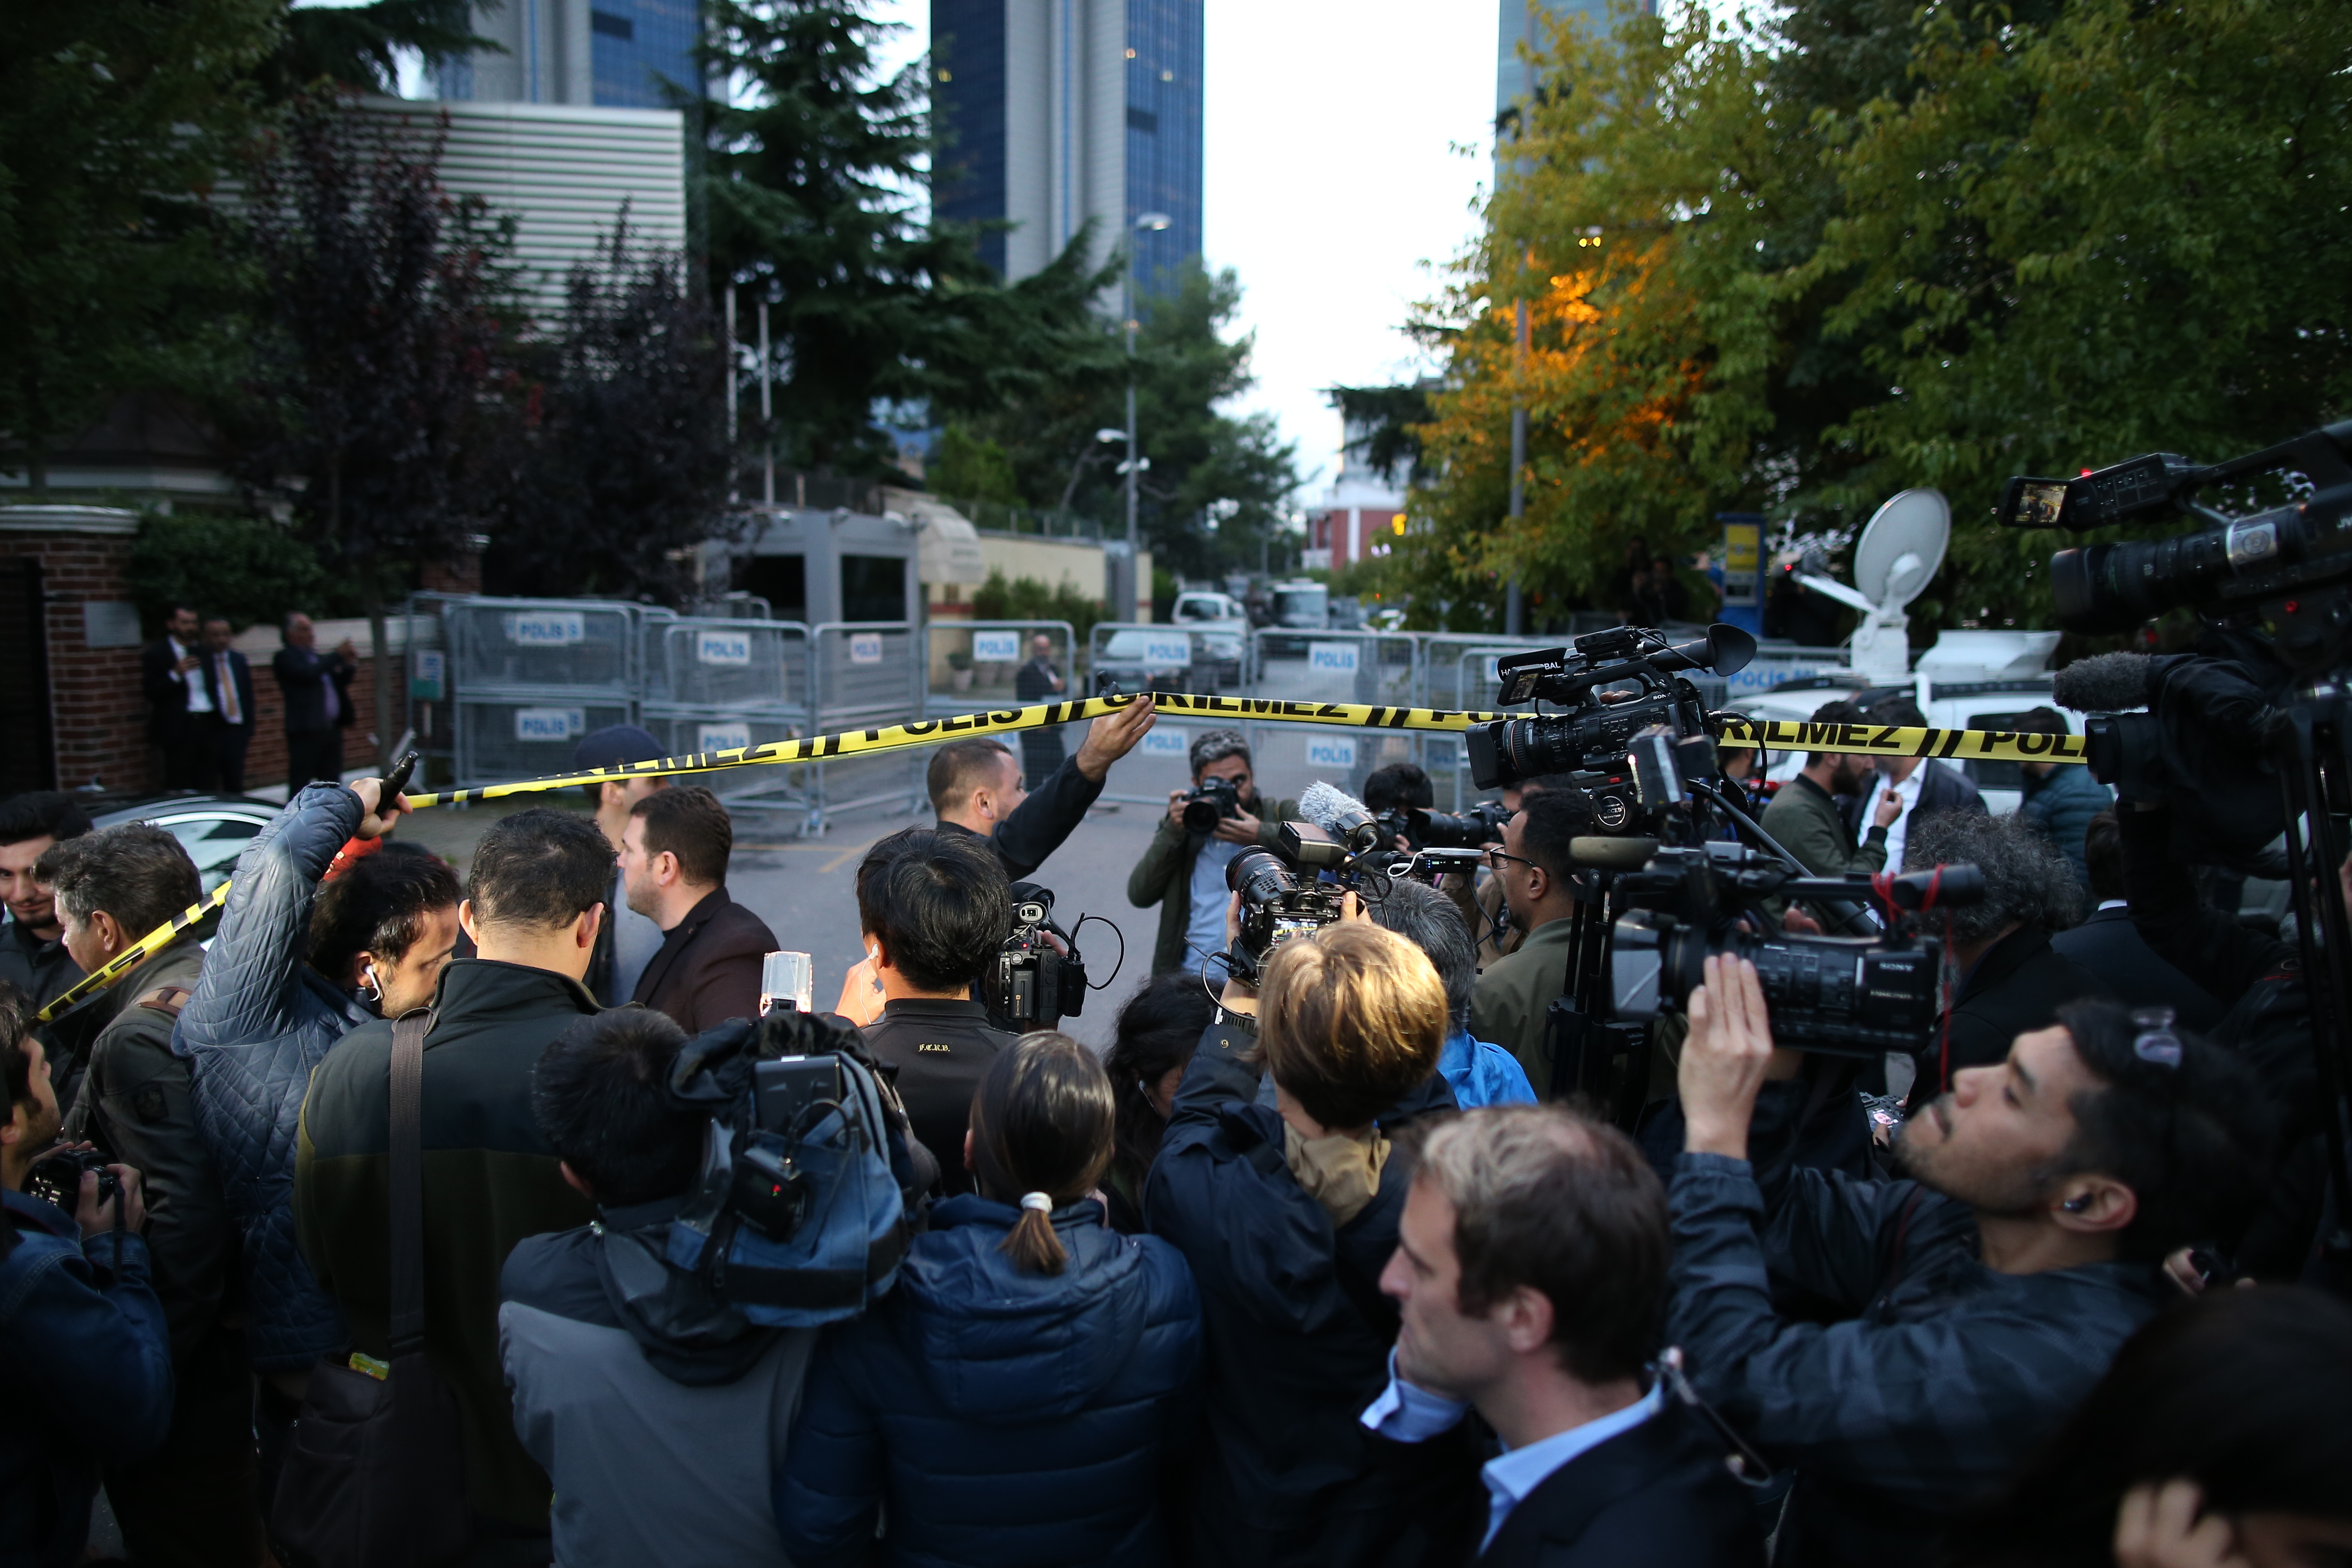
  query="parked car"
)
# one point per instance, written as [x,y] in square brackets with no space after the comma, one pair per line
[213,828]
[1143,658]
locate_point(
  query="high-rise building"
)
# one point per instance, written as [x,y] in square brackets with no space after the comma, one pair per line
[613,54]
[1054,113]
[1513,78]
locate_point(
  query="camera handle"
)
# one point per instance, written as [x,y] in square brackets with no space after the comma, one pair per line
[2316,741]
[1849,917]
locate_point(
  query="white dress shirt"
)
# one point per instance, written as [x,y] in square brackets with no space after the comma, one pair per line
[1899,831]
[192,680]
[1405,1414]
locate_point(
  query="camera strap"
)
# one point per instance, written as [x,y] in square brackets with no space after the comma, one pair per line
[406,1328]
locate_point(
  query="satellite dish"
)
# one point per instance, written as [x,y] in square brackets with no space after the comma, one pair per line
[1897,557]
[1902,547]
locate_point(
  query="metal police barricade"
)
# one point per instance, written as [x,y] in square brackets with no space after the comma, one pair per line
[715,684]
[1210,658]
[863,675]
[1293,664]
[968,666]
[527,678]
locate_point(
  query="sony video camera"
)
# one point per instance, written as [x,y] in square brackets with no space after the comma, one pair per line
[1635,662]
[1845,996]
[1032,985]
[1279,904]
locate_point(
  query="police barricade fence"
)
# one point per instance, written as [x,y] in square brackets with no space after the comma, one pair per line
[1209,658]
[1298,665]
[863,674]
[968,666]
[715,683]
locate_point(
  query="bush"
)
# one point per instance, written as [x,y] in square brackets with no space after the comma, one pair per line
[1028,599]
[243,568]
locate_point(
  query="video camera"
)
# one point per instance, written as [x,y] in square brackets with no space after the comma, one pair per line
[1279,905]
[1032,985]
[1844,995]
[1505,750]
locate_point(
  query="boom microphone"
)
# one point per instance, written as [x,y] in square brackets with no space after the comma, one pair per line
[2108,683]
[1347,819]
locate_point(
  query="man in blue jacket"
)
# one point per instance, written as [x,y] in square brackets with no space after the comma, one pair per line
[1961,1313]
[85,1358]
[2061,798]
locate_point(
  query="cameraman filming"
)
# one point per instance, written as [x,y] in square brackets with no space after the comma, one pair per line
[1184,872]
[1966,1309]
[1511,1003]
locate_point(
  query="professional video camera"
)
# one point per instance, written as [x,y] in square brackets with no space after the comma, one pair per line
[1845,996]
[1032,985]
[797,1217]
[1505,750]
[1209,801]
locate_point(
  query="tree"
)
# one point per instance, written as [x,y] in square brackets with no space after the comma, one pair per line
[369,406]
[245,569]
[971,467]
[808,179]
[359,46]
[116,117]
[619,465]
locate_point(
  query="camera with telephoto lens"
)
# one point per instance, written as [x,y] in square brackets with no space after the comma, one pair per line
[1282,899]
[1844,995]
[1635,663]
[1209,801]
[1031,986]
[1424,829]
[57,1178]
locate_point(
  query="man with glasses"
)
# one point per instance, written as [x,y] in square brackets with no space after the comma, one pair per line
[1513,997]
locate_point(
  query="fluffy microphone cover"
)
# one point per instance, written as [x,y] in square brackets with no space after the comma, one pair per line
[1326,805]
[2108,683]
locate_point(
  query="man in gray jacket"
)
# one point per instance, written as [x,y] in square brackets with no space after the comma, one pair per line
[658,1413]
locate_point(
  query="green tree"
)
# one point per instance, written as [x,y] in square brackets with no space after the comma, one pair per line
[617,466]
[360,45]
[116,118]
[370,411]
[246,569]
[966,466]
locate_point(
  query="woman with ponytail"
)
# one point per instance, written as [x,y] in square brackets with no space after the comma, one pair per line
[1017,1398]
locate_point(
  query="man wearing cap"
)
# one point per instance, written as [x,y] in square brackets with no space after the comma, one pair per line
[627,940]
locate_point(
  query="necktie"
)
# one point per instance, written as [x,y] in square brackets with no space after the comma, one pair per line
[226,678]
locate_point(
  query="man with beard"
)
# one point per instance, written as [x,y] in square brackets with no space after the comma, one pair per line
[1959,1314]
[1804,817]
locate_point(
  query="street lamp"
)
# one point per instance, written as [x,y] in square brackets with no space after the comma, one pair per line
[1149,223]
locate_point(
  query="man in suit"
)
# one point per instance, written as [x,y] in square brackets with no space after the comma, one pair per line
[1923,788]
[627,940]
[228,688]
[1040,681]
[2110,946]
[674,867]
[318,691]
[1530,1278]
[176,698]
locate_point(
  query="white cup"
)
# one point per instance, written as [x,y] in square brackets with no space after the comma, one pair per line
[787,977]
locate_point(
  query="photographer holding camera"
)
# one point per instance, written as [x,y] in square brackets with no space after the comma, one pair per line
[1965,1309]
[659,1416]
[1183,870]
[85,1354]
[1287,1214]
[934,907]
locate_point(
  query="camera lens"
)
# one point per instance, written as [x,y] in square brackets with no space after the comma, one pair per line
[1259,876]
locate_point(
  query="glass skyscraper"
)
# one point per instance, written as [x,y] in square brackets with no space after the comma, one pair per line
[1054,113]
[618,53]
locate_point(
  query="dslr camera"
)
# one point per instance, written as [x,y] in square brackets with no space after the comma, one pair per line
[1426,829]
[57,1178]
[1635,665]
[1209,801]
[1278,903]
[1844,995]
[1031,986]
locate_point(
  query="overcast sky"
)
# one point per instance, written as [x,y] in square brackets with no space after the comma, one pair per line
[1346,144]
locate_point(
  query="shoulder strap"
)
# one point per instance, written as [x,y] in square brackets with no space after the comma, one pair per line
[407,1187]
[166,999]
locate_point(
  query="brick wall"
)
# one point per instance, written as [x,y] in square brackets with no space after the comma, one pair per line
[97,715]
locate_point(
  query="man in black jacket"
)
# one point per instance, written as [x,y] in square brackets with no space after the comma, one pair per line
[227,731]
[975,786]
[674,857]
[935,908]
[33,955]
[1531,1273]
[1957,1315]
[317,688]
[2110,946]
[1288,1212]
[535,897]
[2010,980]
[171,680]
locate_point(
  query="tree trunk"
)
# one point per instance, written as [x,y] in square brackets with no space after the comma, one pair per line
[371,600]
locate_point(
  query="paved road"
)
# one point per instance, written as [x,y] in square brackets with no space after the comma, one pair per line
[805,893]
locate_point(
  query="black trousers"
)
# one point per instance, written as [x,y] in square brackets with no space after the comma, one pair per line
[229,743]
[313,754]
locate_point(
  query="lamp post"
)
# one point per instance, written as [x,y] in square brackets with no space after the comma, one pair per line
[1149,223]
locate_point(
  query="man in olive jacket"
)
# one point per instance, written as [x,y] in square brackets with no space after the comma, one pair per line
[1184,872]
[534,902]
[1804,818]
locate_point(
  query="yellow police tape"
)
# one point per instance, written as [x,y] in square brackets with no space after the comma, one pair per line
[1871,739]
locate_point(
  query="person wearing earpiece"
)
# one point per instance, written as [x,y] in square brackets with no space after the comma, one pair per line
[1957,1315]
